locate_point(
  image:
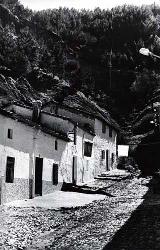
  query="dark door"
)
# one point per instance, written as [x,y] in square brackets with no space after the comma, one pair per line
[55,174]
[74,170]
[107,159]
[38,176]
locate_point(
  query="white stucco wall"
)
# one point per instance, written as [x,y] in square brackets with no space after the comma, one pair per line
[21,169]
[85,165]
[28,143]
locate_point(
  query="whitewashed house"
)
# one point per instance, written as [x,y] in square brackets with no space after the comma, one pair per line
[88,114]
[40,150]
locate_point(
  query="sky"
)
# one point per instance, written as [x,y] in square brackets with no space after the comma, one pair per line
[79,4]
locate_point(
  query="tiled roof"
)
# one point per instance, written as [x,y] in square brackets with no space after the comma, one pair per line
[81,104]
[78,103]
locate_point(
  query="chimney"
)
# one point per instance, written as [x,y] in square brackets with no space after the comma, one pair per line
[37,105]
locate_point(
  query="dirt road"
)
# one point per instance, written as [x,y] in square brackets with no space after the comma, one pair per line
[89,227]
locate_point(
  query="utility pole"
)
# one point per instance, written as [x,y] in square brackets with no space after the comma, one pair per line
[110,53]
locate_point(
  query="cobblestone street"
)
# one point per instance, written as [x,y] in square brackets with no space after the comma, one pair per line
[128,221]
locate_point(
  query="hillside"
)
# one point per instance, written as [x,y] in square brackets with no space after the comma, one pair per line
[43,52]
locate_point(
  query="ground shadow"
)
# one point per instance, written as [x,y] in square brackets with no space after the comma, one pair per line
[142,230]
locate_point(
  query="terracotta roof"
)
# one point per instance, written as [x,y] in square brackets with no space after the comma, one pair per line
[32,124]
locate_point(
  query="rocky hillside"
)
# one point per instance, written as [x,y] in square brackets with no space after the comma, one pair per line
[16,90]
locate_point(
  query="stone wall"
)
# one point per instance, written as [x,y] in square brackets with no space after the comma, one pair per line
[14,191]
[48,187]
[102,141]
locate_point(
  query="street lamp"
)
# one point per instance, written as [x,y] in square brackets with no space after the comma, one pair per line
[146,52]
[156,120]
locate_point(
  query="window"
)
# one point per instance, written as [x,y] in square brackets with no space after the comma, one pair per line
[55,174]
[110,132]
[88,149]
[10,133]
[10,169]
[103,127]
[56,145]
[103,154]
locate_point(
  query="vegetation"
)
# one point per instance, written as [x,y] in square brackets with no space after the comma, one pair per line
[75,46]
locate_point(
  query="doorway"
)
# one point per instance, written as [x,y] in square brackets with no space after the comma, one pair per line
[55,174]
[38,175]
[107,159]
[74,170]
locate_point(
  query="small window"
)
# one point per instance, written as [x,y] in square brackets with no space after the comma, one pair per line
[103,127]
[110,132]
[10,169]
[55,174]
[56,145]
[10,133]
[103,154]
[88,149]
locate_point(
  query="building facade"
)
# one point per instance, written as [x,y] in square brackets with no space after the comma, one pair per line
[41,150]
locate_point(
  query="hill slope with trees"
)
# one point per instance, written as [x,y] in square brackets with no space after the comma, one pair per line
[52,47]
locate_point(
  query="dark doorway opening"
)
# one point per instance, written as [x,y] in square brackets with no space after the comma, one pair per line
[38,175]
[74,170]
[55,174]
[107,158]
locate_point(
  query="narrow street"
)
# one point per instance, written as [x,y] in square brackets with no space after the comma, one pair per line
[129,220]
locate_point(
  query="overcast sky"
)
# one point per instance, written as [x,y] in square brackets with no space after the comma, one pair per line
[79,4]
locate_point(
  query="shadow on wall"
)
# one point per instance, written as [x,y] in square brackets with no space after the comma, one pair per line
[142,230]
